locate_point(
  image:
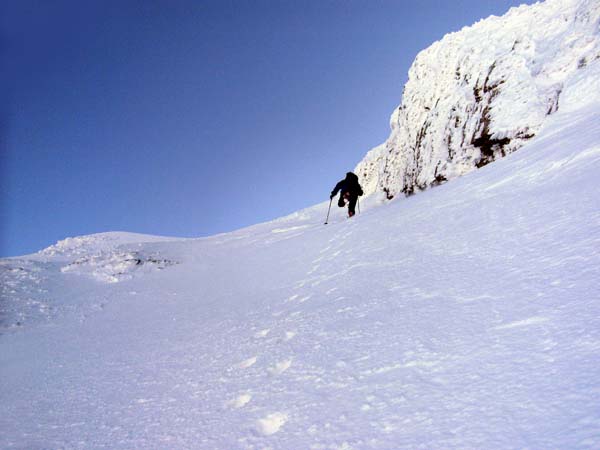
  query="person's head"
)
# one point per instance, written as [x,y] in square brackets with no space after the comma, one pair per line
[351,176]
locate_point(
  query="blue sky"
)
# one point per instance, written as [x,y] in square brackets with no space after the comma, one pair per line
[189,118]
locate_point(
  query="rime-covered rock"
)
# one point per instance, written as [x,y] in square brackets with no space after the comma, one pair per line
[483,92]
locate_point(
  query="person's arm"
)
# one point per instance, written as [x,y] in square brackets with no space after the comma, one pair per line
[336,189]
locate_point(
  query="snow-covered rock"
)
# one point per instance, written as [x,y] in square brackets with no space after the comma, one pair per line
[483,92]
[116,266]
[107,257]
[73,247]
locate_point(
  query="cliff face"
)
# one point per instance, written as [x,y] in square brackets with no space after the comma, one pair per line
[482,92]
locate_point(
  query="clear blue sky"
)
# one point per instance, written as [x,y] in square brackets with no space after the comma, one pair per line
[189,118]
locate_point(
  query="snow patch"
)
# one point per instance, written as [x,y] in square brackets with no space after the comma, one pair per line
[271,423]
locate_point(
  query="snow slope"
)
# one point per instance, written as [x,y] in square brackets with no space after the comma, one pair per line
[467,316]
[483,92]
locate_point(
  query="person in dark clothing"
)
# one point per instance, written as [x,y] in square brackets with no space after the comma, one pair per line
[349,190]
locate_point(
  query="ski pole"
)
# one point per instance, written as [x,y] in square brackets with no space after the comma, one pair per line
[358,205]
[326,220]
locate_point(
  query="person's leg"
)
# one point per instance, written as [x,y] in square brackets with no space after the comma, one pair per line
[352,205]
[344,197]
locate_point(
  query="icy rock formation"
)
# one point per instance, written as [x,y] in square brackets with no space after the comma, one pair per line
[483,92]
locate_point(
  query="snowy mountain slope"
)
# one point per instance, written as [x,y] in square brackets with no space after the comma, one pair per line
[25,284]
[483,92]
[465,317]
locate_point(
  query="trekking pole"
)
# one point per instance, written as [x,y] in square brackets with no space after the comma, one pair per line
[326,220]
[359,205]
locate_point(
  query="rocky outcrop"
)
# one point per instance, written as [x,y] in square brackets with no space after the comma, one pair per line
[482,93]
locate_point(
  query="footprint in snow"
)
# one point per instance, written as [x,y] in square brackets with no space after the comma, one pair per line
[271,423]
[314,269]
[280,367]
[289,335]
[247,363]
[262,333]
[240,401]
[303,299]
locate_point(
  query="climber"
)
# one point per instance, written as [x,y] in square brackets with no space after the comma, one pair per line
[349,190]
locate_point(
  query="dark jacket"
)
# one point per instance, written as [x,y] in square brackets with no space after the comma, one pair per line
[349,184]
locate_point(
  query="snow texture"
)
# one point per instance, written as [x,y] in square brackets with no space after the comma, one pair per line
[467,316]
[483,92]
